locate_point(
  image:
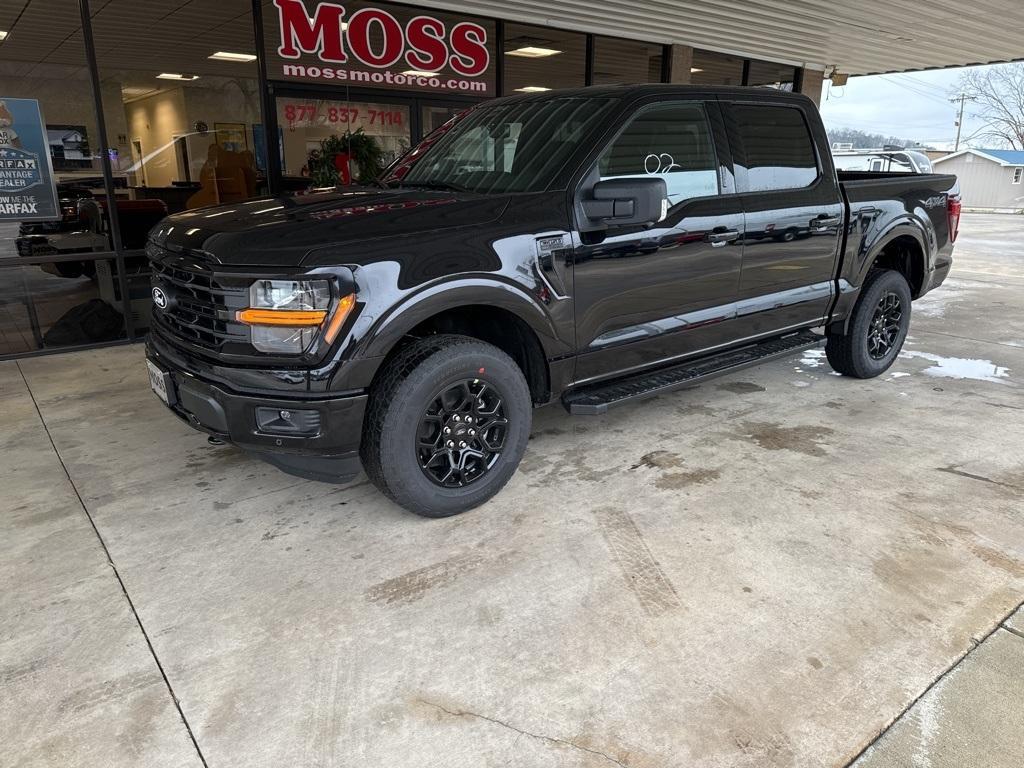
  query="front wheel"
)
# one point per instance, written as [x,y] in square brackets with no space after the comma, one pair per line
[876,330]
[447,425]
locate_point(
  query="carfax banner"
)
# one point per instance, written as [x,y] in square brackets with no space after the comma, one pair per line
[27,188]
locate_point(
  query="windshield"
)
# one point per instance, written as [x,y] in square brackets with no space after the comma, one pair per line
[516,147]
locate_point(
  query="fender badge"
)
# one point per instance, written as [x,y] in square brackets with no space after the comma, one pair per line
[546,245]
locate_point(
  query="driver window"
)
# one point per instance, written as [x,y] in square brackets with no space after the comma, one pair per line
[671,142]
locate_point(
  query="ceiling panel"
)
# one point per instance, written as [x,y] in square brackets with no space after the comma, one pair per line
[858,37]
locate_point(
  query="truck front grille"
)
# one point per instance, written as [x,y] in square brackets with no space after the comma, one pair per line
[200,306]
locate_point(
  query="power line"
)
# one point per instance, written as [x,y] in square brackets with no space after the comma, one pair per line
[938,89]
[913,89]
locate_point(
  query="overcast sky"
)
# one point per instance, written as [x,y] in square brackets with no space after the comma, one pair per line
[914,106]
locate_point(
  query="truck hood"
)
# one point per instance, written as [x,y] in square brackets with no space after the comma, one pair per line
[281,231]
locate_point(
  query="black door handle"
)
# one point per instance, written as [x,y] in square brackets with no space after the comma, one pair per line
[718,238]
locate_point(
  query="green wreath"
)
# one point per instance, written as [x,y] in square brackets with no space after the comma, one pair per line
[364,151]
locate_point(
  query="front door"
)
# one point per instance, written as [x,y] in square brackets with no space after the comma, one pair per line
[649,294]
[794,214]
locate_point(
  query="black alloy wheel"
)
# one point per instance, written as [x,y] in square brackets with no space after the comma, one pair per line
[446,424]
[873,335]
[462,433]
[885,326]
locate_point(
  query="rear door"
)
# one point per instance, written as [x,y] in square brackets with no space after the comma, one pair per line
[793,214]
[648,294]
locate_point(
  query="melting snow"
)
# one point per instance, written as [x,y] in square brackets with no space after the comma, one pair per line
[960,368]
[813,358]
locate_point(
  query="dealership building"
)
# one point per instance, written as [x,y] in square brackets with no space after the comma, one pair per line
[150,107]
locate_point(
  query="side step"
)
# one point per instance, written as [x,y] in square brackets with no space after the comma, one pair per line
[598,398]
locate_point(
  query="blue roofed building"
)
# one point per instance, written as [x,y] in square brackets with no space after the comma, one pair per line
[989,178]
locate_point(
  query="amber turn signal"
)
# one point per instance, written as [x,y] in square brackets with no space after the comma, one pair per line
[343,310]
[290,318]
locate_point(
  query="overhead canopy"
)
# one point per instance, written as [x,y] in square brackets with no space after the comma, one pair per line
[859,37]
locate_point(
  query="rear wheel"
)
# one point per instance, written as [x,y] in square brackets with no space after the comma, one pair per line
[876,330]
[446,425]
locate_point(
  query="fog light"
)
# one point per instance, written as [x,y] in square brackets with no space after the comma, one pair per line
[290,421]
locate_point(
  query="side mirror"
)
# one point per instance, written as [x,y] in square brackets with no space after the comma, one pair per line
[627,201]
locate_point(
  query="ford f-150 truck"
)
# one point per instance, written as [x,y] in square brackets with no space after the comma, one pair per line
[591,247]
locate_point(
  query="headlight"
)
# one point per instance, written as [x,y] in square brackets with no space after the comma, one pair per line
[291,295]
[285,316]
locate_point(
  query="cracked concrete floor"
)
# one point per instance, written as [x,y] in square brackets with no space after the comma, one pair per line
[765,570]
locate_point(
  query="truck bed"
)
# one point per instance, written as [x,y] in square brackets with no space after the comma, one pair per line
[881,202]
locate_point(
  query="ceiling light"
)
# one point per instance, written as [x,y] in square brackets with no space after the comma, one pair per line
[532,89]
[532,52]
[228,56]
[3,35]
[176,76]
[696,69]
[419,73]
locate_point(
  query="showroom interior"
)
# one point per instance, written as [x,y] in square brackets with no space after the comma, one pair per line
[162,107]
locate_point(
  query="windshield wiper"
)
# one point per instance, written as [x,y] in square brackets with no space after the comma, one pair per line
[444,185]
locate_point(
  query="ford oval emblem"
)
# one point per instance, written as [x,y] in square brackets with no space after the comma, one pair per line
[160,298]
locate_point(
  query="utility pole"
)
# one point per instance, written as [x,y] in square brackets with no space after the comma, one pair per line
[961,97]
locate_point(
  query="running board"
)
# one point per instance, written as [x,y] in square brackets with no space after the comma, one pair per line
[598,398]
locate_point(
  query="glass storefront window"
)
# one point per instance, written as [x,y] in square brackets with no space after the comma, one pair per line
[710,68]
[61,304]
[626,61]
[54,292]
[771,75]
[182,103]
[340,142]
[434,116]
[543,59]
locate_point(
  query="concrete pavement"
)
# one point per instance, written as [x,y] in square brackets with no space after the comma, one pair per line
[765,570]
[972,716]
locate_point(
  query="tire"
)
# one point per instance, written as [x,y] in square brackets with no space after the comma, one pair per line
[422,390]
[859,352]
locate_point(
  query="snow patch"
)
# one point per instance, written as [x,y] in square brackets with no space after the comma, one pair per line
[813,358]
[960,367]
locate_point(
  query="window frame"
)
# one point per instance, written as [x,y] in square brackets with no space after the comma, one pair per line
[1018,175]
[740,150]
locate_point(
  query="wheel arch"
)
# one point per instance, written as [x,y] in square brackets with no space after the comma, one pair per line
[497,314]
[902,249]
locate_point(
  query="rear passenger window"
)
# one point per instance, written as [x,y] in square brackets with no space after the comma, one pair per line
[672,142]
[779,148]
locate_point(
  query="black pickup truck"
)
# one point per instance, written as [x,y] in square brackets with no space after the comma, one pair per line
[592,247]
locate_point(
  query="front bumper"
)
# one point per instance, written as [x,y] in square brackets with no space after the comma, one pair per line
[331,454]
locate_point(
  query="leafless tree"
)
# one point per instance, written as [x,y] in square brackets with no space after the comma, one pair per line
[997,95]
